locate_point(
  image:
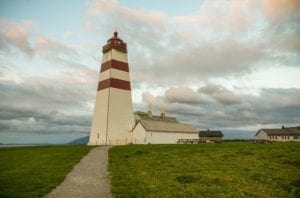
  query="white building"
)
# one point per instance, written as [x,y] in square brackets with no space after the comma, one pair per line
[283,134]
[113,119]
[113,113]
[160,129]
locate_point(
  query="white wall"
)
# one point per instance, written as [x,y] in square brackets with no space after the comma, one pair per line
[154,137]
[121,118]
[261,135]
[99,123]
[139,135]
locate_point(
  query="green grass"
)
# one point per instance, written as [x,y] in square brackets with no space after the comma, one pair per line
[231,169]
[35,171]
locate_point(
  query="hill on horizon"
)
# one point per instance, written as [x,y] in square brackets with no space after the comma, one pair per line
[82,140]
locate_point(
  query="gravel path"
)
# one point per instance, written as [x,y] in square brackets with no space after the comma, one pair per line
[89,178]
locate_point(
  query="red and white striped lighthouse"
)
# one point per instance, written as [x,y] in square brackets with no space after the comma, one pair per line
[113,113]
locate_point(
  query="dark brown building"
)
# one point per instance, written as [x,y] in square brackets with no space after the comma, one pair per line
[215,136]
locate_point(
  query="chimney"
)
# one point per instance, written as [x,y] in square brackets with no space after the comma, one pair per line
[283,127]
[162,114]
[149,111]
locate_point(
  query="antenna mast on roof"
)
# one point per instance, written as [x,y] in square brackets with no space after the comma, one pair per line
[149,110]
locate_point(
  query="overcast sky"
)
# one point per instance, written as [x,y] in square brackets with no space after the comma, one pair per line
[229,65]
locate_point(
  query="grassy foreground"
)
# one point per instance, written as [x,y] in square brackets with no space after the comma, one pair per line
[232,169]
[35,171]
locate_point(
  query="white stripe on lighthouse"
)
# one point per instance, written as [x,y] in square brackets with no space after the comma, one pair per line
[114,54]
[114,73]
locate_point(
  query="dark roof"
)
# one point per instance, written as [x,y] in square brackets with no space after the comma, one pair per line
[144,116]
[283,131]
[115,43]
[210,134]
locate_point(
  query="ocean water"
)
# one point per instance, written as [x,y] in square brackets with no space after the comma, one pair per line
[238,134]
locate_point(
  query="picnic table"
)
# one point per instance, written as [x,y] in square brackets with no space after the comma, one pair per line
[193,141]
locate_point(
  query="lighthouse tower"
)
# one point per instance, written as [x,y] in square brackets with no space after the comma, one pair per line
[113,113]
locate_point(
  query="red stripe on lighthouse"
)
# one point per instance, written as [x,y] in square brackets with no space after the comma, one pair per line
[114,64]
[115,83]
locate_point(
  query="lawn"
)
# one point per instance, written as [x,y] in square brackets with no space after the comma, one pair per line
[231,169]
[35,171]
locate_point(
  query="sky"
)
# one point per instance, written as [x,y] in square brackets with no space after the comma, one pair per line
[225,65]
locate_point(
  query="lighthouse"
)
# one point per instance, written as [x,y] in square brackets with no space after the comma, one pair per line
[113,116]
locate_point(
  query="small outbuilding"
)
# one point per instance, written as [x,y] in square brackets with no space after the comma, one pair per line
[151,129]
[215,136]
[283,134]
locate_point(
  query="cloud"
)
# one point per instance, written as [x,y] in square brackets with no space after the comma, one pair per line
[220,94]
[130,16]
[235,16]
[280,9]
[198,46]
[53,94]
[46,47]
[183,95]
[16,34]
[228,109]
[19,35]
[227,98]
[153,101]
[60,105]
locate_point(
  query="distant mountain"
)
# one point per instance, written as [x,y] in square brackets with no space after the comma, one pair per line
[83,140]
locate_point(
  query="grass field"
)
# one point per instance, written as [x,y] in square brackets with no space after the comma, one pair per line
[231,169]
[35,171]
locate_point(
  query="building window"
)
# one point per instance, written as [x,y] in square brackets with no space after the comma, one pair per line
[276,137]
[98,135]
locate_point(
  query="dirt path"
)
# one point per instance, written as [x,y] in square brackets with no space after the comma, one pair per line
[88,178]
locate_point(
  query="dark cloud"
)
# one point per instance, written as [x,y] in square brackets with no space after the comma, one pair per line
[220,94]
[226,109]
[46,105]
